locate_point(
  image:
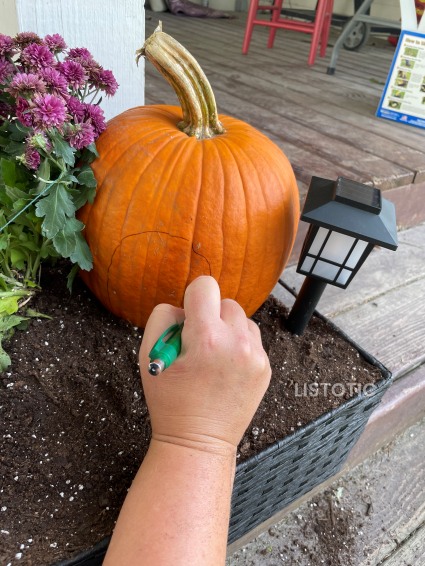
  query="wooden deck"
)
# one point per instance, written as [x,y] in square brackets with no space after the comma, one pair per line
[326,126]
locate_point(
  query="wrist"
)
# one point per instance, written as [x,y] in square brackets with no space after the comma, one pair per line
[213,447]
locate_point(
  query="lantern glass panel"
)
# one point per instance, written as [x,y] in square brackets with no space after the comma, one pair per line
[307,263]
[325,270]
[337,247]
[318,241]
[356,254]
[344,276]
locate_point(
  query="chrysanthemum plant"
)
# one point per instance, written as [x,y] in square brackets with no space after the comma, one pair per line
[49,120]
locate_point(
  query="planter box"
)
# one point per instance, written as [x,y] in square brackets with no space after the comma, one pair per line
[283,472]
[271,480]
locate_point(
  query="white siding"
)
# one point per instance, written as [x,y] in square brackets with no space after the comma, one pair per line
[111,30]
[8,17]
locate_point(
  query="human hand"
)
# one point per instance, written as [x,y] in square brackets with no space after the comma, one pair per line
[208,396]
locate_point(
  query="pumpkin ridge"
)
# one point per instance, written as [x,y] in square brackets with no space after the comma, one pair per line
[189,149]
[224,141]
[112,191]
[132,236]
[229,145]
[180,144]
[166,166]
[241,161]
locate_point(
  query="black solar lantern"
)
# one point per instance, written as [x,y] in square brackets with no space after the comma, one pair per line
[347,219]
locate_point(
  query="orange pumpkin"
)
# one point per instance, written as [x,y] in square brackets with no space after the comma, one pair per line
[181,193]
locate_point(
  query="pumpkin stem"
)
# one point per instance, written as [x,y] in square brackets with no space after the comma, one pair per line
[182,71]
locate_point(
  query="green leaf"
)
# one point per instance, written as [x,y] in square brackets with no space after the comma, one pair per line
[81,195]
[8,305]
[63,149]
[56,207]
[4,242]
[18,258]
[86,177]
[5,360]
[35,314]
[69,242]
[71,277]
[82,254]
[14,148]
[65,240]
[7,323]
[43,173]
[18,131]
[10,321]
[89,154]
[8,169]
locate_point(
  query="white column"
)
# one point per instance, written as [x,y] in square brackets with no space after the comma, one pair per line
[111,30]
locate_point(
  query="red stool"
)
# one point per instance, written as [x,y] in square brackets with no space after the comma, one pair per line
[319,28]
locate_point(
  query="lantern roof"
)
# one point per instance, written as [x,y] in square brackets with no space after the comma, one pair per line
[351,208]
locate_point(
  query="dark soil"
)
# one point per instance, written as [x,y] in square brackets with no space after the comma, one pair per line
[75,426]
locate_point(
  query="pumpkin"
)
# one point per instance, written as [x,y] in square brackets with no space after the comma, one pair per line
[183,192]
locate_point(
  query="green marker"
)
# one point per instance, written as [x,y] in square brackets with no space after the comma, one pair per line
[166,349]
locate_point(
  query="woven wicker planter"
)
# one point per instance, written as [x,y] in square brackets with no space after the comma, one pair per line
[286,470]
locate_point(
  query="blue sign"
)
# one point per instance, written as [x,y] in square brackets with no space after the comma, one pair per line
[403,98]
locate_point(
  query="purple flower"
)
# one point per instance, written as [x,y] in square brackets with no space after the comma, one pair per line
[79,54]
[7,46]
[81,135]
[37,57]
[107,82]
[26,84]
[32,158]
[26,38]
[24,112]
[74,73]
[55,43]
[6,70]
[55,82]
[95,116]
[76,108]
[49,111]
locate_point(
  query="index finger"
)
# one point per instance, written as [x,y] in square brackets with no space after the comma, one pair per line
[202,300]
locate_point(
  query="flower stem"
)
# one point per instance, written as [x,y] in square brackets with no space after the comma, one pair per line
[182,71]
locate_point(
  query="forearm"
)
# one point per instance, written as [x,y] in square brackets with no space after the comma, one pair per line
[177,509]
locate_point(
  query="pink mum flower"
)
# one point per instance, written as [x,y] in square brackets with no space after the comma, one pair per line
[26,38]
[7,46]
[74,73]
[55,82]
[26,84]
[37,57]
[55,43]
[49,111]
[79,54]
[76,108]
[95,116]
[32,158]
[81,135]
[107,82]
[24,112]
[6,70]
